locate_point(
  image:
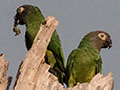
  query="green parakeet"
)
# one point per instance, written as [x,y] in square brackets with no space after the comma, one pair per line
[32,17]
[85,62]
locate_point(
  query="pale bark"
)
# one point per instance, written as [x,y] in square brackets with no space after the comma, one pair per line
[99,82]
[3,72]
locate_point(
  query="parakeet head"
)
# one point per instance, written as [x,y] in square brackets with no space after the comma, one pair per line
[24,12]
[100,39]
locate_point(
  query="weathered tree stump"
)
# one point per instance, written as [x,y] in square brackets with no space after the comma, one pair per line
[3,72]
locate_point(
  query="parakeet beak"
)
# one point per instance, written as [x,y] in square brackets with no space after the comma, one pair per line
[16,20]
[108,43]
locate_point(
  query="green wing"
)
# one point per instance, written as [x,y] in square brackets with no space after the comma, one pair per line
[98,65]
[56,48]
[82,65]
[69,77]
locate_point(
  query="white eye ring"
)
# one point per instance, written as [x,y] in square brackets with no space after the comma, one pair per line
[20,10]
[102,36]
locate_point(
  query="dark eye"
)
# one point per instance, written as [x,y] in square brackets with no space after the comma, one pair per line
[102,35]
[20,10]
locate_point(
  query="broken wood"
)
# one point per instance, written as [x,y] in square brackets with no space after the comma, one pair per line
[3,72]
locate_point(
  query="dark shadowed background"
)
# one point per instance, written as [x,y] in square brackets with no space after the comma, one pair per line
[76,18]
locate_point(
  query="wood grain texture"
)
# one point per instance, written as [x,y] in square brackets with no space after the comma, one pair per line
[3,72]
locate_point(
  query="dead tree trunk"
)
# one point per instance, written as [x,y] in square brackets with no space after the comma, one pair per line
[33,72]
[3,72]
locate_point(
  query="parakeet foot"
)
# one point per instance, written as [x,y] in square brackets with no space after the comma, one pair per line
[51,70]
